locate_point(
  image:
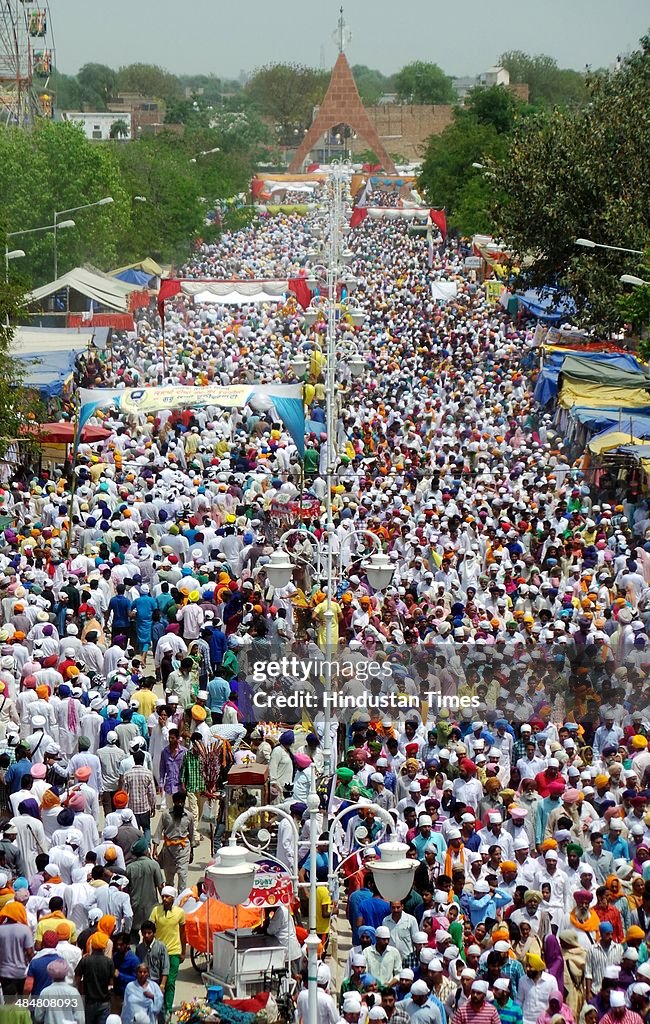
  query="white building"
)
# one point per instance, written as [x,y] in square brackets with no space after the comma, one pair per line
[495,76]
[98,126]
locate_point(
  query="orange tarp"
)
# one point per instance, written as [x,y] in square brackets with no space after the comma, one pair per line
[222,917]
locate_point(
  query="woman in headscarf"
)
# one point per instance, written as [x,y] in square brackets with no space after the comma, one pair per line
[575,959]
[554,961]
[528,942]
[556,1006]
[588,1014]
[640,858]
[635,897]
[142,996]
[618,899]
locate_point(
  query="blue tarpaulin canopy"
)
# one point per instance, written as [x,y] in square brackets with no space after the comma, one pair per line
[546,387]
[637,426]
[134,277]
[603,419]
[47,372]
[548,305]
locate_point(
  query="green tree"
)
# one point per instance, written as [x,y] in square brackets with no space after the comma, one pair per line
[422,82]
[496,107]
[287,93]
[16,404]
[371,84]
[210,88]
[67,91]
[582,173]
[54,167]
[478,133]
[149,80]
[119,129]
[548,84]
[97,84]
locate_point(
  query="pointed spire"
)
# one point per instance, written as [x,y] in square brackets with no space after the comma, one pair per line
[342,105]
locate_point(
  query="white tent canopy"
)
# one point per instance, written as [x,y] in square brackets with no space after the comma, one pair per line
[104,290]
[39,340]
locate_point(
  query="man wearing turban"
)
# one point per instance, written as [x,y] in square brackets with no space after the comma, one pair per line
[63,1000]
[535,988]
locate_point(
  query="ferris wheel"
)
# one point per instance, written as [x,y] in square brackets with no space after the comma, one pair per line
[26,62]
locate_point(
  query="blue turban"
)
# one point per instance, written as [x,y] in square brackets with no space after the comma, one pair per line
[368,930]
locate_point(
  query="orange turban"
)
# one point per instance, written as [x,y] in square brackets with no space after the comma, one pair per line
[98,940]
[14,912]
[43,692]
[107,924]
[548,844]
[49,800]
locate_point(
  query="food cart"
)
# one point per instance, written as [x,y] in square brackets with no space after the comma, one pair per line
[244,961]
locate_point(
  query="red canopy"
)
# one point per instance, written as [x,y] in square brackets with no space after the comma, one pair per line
[63,433]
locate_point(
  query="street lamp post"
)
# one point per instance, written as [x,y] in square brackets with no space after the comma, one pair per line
[586,243]
[18,253]
[10,254]
[106,201]
[13,254]
[632,279]
[204,152]
[233,876]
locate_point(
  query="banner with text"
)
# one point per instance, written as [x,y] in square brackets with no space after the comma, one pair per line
[286,399]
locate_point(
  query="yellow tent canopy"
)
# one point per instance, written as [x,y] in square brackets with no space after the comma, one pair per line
[614,439]
[598,396]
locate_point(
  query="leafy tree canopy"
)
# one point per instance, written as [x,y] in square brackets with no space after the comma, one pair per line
[423,82]
[149,80]
[97,84]
[583,173]
[287,93]
[371,83]
[548,84]
[478,133]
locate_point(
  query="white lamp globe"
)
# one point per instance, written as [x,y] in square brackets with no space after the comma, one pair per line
[393,873]
[279,569]
[379,569]
[233,876]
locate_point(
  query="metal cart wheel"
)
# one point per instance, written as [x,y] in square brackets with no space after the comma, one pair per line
[200,960]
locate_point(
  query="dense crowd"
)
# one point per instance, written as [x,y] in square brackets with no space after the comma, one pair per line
[135,608]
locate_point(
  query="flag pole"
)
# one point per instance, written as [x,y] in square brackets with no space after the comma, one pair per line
[73,481]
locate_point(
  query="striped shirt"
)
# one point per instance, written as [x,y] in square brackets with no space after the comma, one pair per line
[510,1012]
[486,1014]
[598,959]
